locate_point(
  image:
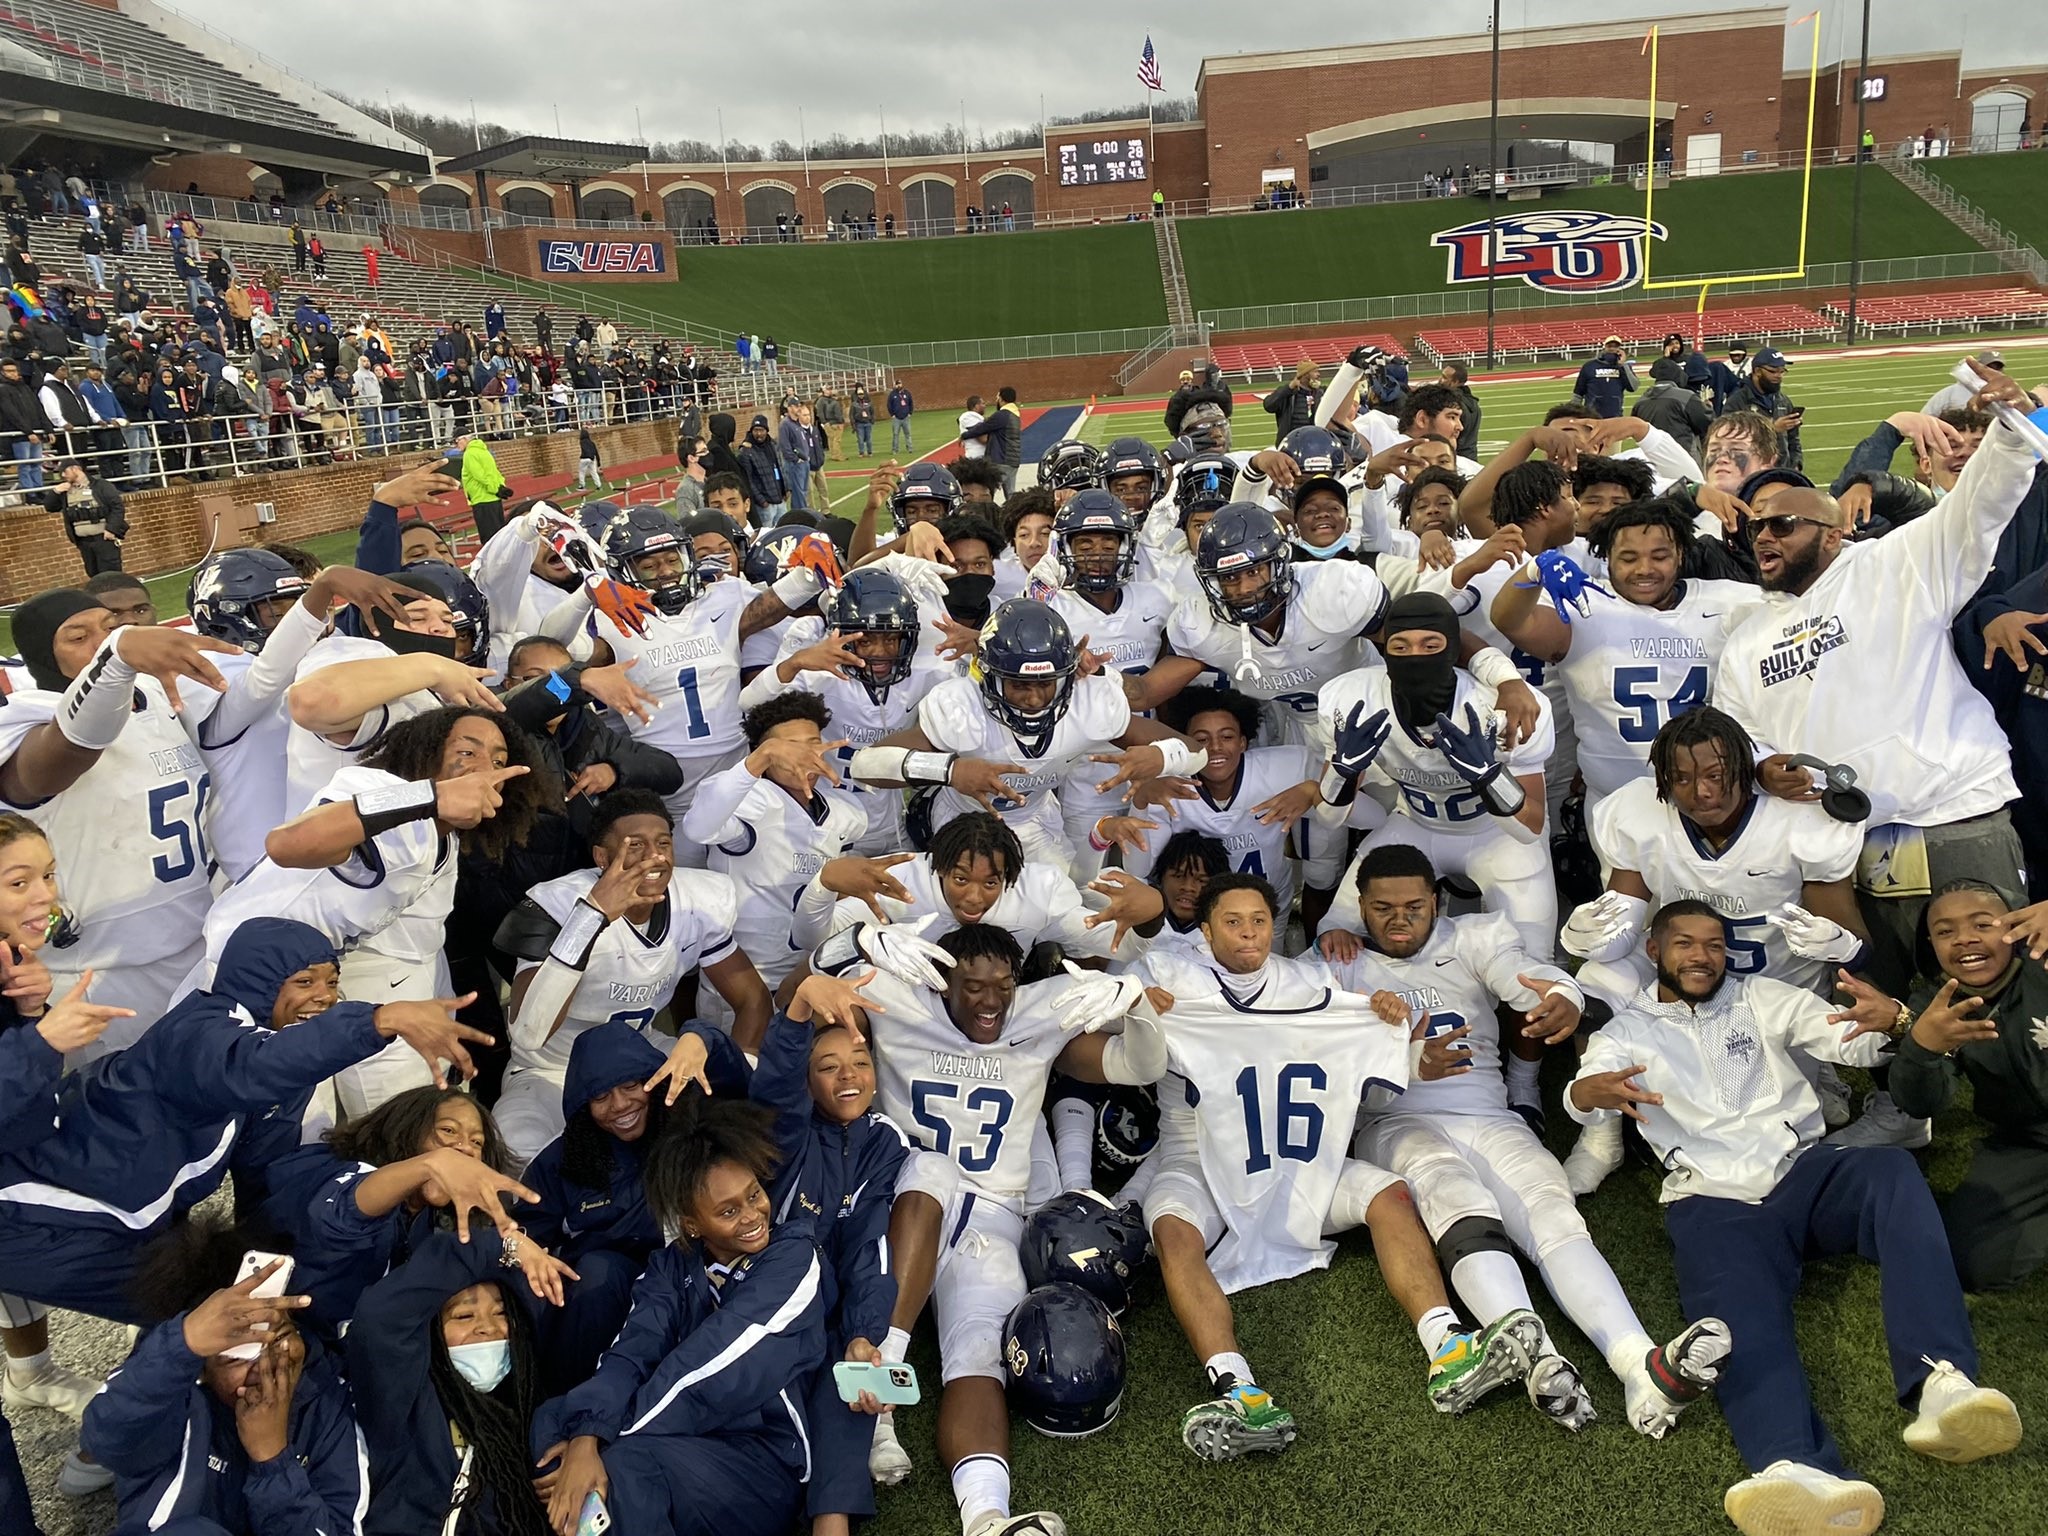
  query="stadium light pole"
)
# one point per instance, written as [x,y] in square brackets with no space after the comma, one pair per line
[1493,181]
[1856,184]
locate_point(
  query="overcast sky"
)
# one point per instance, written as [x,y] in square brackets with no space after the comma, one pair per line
[596,60]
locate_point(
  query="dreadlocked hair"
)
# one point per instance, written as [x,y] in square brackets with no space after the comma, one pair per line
[403,1126]
[1696,728]
[703,1133]
[983,941]
[1189,847]
[1655,512]
[498,1424]
[192,1259]
[588,1158]
[977,835]
[412,750]
[1524,492]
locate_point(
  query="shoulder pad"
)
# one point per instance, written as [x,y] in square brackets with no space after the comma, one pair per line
[527,931]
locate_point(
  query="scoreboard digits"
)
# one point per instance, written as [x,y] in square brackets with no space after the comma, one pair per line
[1102,161]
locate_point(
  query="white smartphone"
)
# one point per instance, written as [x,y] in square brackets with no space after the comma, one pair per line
[894,1384]
[595,1519]
[252,1262]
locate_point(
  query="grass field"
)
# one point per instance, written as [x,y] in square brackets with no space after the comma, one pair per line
[1744,223]
[2012,188]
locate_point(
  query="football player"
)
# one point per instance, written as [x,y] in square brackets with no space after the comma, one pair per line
[1485,1186]
[1027,519]
[926,493]
[1201,489]
[1069,466]
[523,577]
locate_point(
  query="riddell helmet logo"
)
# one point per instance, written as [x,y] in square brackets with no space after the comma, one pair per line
[1566,251]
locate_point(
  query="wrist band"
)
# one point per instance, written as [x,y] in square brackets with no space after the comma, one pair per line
[99,700]
[900,765]
[1095,835]
[379,810]
[929,767]
[578,935]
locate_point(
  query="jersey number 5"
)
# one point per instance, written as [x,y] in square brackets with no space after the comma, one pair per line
[1300,1125]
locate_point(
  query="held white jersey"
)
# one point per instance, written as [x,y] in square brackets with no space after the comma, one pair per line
[955,718]
[769,848]
[1630,669]
[633,971]
[1043,906]
[392,895]
[691,664]
[1322,636]
[975,1104]
[1432,791]
[1468,966]
[1778,847]
[133,868]
[250,794]
[1275,1077]
[310,759]
[1255,847]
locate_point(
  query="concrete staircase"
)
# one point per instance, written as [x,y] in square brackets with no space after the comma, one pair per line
[1180,310]
[1970,219]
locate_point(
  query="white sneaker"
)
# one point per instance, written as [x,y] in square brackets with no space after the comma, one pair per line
[52,1387]
[1787,1499]
[1836,1108]
[1038,1523]
[1554,1387]
[1884,1124]
[1596,1155]
[888,1462]
[79,1477]
[1961,1421]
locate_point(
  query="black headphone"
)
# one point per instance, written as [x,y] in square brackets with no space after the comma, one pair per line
[1839,796]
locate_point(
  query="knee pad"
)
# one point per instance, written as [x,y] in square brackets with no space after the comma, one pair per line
[927,1173]
[1470,1235]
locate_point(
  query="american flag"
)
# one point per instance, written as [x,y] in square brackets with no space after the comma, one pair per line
[1148,68]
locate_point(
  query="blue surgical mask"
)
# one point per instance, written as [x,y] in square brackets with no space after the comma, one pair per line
[483,1366]
[1342,546]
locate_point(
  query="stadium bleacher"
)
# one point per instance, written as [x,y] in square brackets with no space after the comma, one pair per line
[1531,341]
[1904,314]
[1265,360]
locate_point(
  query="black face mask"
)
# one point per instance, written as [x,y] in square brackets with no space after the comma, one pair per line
[969,599]
[1424,687]
[406,642]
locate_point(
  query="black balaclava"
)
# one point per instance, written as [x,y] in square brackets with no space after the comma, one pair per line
[1423,686]
[969,599]
[36,623]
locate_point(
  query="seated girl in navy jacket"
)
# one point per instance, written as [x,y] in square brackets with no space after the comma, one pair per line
[203,1443]
[694,1421]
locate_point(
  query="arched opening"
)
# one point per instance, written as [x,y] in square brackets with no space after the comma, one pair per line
[765,203]
[1009,188]
[693,214]
[928,207]
[527,203]
[850,205]
[1995,119]
[607,203]
[364,197]
[439,194]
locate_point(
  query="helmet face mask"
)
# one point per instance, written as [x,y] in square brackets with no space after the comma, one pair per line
[1132,472]
[1090,518]
[931,484]
[1070,466]
[644,550]
[468,610]
[1242,543]
[871,607]
[1203,485]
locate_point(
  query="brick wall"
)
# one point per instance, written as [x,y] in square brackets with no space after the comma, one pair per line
[228,176]
[169,529]
[1036,380]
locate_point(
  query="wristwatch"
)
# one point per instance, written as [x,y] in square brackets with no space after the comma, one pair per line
[1903,1022]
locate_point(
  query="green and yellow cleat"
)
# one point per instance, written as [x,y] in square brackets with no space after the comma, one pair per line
[1238,1420]
[1467,1366]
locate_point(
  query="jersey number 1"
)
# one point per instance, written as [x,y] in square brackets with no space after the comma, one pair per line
[1300,1125]
[686,680]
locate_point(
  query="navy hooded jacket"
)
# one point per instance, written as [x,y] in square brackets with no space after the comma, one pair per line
[147,1134]
[31,1070]
[337,1251]
[175,1453]
[842,1176]
[572,1218]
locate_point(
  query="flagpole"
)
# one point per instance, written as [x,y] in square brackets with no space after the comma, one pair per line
[645,149]
[1044,144]
[724,163]
[884,118]
[803,138]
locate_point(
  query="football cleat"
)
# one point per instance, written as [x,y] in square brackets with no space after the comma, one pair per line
[1467,1366]
[1554,1387]
[1038,1523]
[1241,1418]
[1676,1375]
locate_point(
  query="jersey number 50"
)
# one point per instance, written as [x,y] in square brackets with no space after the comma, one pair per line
[1300,1125]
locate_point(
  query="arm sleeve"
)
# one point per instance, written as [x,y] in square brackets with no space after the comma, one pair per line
[1922,1083]
[1871,455]
[1605,1052]
[782,1082]
[319,1484]
[566,624]
[260,689]
[714,813]
[377,542]
[1670,461]
[501,567]
[638,764]
[135,1425]
[1801,1019]
[1950,550]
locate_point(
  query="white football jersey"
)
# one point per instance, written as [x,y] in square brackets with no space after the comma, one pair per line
[1779,847]
[691,664]
[392,895]
[1430,789]
[1631,668]
[1322,636]
[249,794]
[310,759]
[769,848]
[975,1104]
[133,867]
[1274,1066]
[1469,965]
[1042,907]
[1130,632]
[1255,847]
[955,718]
[632,972]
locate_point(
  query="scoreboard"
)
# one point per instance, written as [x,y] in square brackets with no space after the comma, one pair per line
[1095,162]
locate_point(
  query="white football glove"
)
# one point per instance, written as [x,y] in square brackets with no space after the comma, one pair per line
[924,580]
[1813,937]
[1097,998]
[1605,928]
[902,950]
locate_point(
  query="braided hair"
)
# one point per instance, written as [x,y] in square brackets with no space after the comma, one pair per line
[1705,726]
[498,1424]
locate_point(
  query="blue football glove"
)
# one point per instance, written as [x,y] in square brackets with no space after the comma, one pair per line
[1564,583]
[1473,750]
[1358,742]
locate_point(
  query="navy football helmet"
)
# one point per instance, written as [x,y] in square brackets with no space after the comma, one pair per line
[1026,642]
[1082,1239]
[1245,537]
[469,609]
[1319,460]
[1070,466]
[1127,1125]
[1127,458]
[639,536]
[597,517]
[1063,1355]
[230,588]
[872,606]
[1202,485]
[1094,511]
[766,552]
[699,523]
[924,482]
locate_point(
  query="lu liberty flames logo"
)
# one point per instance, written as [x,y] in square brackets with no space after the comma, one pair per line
[1567,251]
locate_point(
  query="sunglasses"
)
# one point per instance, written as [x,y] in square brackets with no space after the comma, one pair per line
[1781,526]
